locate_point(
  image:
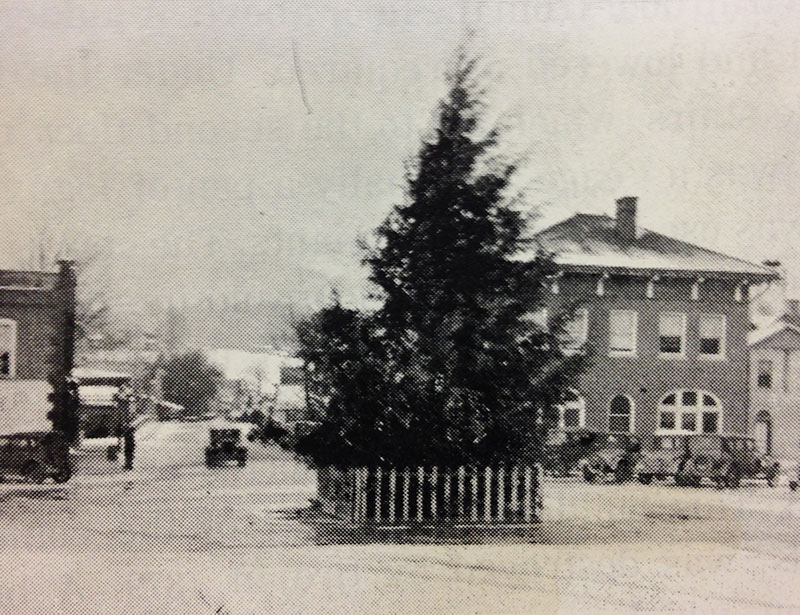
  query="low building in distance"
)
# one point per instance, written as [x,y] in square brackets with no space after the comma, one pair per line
[263,380]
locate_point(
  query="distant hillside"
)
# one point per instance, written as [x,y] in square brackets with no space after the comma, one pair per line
[214,323]
[242,324]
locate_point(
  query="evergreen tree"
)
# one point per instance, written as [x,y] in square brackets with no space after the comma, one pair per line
[448,370]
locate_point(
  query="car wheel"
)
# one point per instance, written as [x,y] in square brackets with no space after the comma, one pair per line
[733,478]
[63,476]
[689,480]
[588,475]
[34,473]
[242,462]
[645,479]
[622,473]
[772,475]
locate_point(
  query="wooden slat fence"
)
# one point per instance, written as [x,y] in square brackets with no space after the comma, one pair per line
[465,495]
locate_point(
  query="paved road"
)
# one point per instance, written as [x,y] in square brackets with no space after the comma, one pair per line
[170,501]
[175,537]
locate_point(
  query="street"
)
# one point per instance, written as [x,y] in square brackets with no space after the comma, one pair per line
[176,537]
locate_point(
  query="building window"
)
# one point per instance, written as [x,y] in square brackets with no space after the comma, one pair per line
[576,331]
[622,332]
[710,422]
[667,420]
[8,348]
[620,415]
[765,374]
[672,334]
[533,324]
[712,335]
[689,412]
[572,413]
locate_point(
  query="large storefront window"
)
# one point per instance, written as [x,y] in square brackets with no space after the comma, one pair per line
[690,412]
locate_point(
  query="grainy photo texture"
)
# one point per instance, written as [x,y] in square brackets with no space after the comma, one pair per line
[425,306]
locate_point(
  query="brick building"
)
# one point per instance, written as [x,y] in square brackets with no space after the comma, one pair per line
[665,321]
[35,343]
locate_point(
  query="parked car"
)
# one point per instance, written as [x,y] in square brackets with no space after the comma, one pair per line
[661,457]
[751,462]
[564,449]
[617,458]
[725,460]
[35,456]
[224,445]
[794,483]
[269,430]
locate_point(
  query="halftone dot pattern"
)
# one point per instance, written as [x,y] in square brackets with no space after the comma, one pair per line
[173,536]
[231,152]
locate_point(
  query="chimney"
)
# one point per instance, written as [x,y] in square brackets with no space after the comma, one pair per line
[626,220]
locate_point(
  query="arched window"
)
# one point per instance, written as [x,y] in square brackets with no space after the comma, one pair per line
[8,348]
[690,412]
[572,413]
[620,414]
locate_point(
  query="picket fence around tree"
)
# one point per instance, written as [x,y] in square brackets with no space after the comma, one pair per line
[431,495]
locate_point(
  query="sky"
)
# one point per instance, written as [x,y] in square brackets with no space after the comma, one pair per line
[239,150]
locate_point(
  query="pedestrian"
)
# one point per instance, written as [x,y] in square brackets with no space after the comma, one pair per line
[129,446]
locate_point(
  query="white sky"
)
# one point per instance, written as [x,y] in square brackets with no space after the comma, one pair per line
[175,132]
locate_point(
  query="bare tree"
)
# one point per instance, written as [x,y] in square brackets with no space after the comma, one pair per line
[91,267]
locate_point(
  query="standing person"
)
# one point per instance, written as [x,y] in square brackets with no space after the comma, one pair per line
[129,446]
[125,422]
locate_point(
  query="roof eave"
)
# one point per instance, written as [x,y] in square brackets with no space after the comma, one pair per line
[769,333]
[753,277]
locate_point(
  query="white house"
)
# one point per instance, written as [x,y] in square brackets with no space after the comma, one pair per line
[775,385]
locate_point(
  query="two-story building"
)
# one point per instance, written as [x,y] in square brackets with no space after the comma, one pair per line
[775,384]
[35,343]
[665,322]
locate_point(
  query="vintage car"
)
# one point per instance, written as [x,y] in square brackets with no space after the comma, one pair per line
[269,430]
[661,457]
[564,449]
[616,459]
[224,445]
[35,456]
[724,460]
